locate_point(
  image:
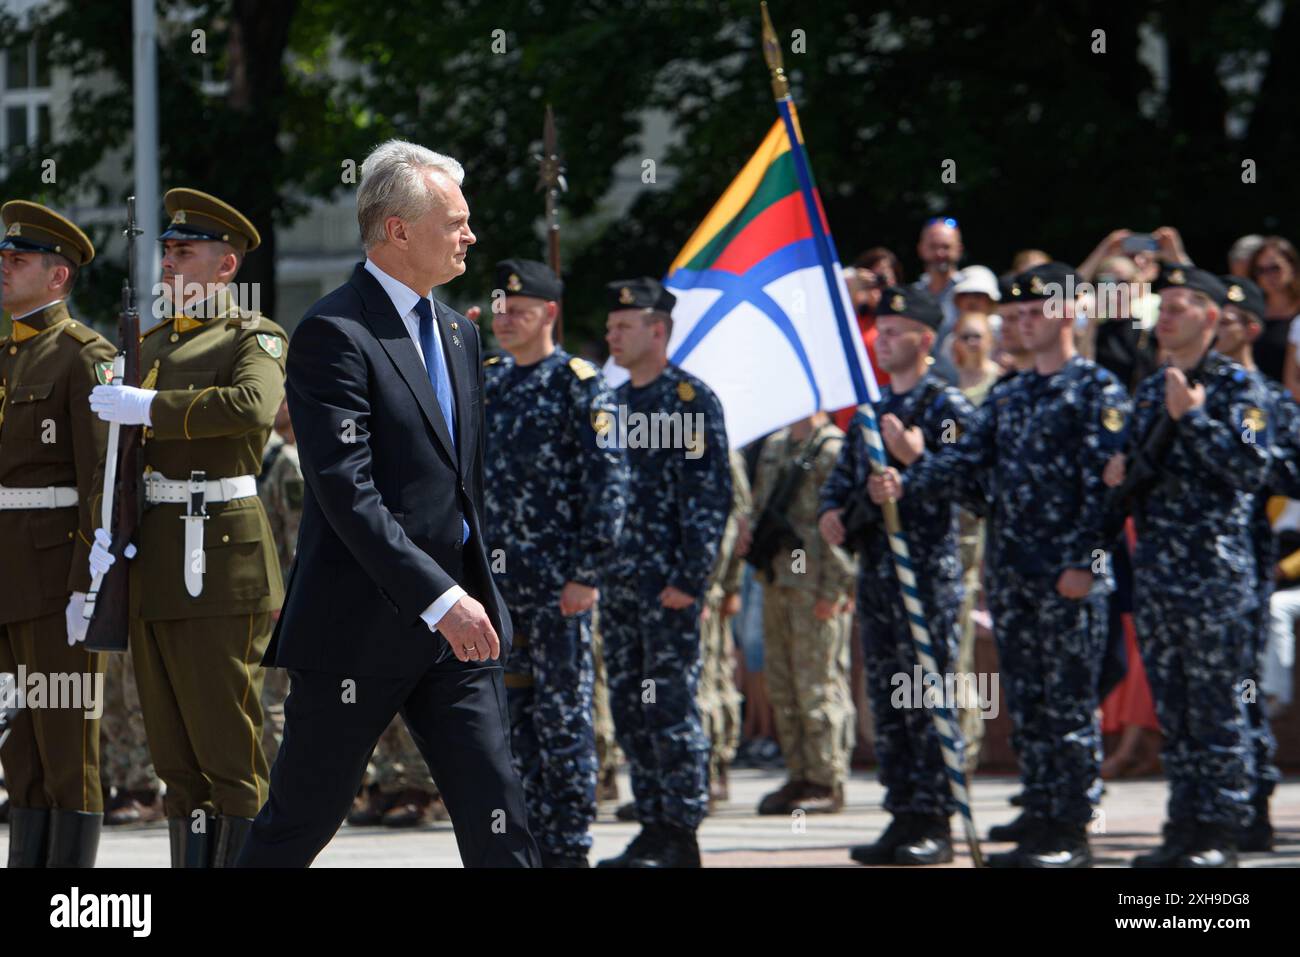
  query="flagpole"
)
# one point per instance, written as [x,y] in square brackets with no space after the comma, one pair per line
[951,744]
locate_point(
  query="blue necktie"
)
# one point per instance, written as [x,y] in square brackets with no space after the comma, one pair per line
[438,379]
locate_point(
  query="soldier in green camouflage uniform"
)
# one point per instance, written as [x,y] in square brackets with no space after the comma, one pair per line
[718,697]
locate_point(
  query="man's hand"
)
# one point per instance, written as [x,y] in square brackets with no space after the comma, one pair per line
[72,616]
[469,631]
[122,403]
[731,605]
[1113,474]
[675,598]
[577,598]
[824,609]
[101,559]
[1170,245]
[1180,398]
[885,486]
[1074,583]
[831,526]
[906,445]
[472,313]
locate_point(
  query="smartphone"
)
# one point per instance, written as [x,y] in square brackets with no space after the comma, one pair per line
[1139,243]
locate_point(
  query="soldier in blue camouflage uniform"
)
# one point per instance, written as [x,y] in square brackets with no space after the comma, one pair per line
[916,408]
[679,497]
[1243,310]
[1039,443]
[1196,586]
[554,504]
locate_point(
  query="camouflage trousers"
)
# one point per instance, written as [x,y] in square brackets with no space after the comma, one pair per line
[907,745]
[396,764]
[124,761]
[718,697]
[549,677]
[1050,650]
[1264,744]
[607,753]
[1196,667]
[653,655]
[807,666]
[275,688]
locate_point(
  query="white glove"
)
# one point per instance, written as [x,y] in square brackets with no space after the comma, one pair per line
[101,559]
[77,625]
[122,403]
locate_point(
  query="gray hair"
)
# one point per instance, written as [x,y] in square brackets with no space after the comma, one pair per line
[1245,247]
[393,184]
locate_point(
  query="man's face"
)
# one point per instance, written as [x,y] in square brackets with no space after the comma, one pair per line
[440,239]
[1184,317]
[1010,329]
[186,262]
[974,302]
[523,323]
[28,283]
[631,338]
[900,343]
[1038,331]
[940,247]
[1234,330]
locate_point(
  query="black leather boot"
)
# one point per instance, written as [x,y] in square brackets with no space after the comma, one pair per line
[644,843]
[74,838]
[1213,845]
[899,832]
[931,842]
[29,830]
[232,832]
[1036,829]
[190,848]
[677,847]
[1258,837]
[1177,841]
[1013,830]
[1061,846]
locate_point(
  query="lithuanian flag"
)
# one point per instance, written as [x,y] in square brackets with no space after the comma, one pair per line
[763,315]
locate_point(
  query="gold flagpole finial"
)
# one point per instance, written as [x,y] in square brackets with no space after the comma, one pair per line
[772,54]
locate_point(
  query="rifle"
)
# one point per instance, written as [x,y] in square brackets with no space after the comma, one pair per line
[1143,469]
[773,532]
[551,179]
[108,601]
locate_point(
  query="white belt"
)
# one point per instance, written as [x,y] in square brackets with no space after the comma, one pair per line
[51,496]
[165,491]
[195,494]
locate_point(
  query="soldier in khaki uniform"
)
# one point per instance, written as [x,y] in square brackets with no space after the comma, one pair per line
[207,578]
[125,767]
[806,626]
[50,448]
[718,697]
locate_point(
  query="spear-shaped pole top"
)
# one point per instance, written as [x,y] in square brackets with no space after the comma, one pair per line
[772,53]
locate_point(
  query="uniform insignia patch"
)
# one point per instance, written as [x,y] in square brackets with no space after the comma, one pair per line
[1177,277]
[898,304]
[602,422]
[583,369]
[104,372]
[685,391]
[1112,419]
[1235,294]
[179,218]
[513,283]
[625,296]
[1035,285]
[491,360]
[15,229]
[1254,419]
[271,345]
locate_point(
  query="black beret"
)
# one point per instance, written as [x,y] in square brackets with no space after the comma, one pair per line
[1008,289]
[1187,276]
[910,303]
[1033,284]
[1245,295]
[643,293]
[527,277]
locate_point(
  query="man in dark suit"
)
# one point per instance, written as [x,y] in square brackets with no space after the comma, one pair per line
[391,607]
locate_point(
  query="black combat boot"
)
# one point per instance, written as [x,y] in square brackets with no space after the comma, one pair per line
[565,859]
[1258,836]
[74,838]
[190,849]
[29,831]
[1212,845]
[1013,830]
[642,844]
[1035,831]
[677,847]
[232,832]
[931,842]
[1177,841]
[1061,846]
[900,831]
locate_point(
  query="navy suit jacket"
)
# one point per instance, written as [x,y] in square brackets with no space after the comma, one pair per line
[380,537]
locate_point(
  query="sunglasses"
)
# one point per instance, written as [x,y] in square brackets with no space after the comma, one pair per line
[1262,270]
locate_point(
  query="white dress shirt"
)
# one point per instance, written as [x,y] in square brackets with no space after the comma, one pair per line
[404,299]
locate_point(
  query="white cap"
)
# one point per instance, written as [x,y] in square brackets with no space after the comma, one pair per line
[977,279]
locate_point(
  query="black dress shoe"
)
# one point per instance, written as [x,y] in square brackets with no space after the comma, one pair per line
[931,842]
[1017,800]
[641,845]
[1013,830]
[677,847]
[899,832]
[1178,837]
[1258,837]
[1035,832]
[626,812]
[1213,845]
[1061,846]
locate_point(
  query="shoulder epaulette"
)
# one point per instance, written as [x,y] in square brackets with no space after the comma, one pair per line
[165,324]
[583,369]
[82,334]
